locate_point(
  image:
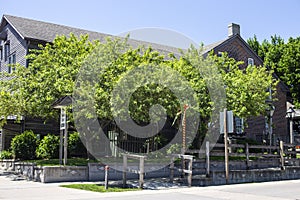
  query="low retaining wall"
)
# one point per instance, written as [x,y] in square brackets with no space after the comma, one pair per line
[60,174]
[248,176]
[95,172]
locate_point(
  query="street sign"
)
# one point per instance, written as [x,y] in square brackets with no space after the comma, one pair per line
[229,120]
[63,119]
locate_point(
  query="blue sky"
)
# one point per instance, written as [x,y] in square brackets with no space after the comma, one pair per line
[202,21]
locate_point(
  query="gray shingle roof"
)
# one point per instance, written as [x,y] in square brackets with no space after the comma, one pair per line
[30,29]
[44,31]
[210,47]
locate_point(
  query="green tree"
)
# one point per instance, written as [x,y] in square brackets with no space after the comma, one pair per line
[50,75]
[54,68]
[284,59]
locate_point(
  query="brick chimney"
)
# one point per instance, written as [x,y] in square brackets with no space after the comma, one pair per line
[233,29]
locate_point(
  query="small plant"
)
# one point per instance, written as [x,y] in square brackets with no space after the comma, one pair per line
[240,150]
[48,147]
[23,146]
[75,146]
[6,155]
[174,148]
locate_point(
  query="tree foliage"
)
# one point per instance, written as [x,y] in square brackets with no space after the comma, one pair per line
[283,58]
[50,75]
[53,70]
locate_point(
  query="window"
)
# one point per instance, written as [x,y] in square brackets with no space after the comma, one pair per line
[220,53]
[6,51]
[239,125]
[11,61]
[250,61]
[1,53]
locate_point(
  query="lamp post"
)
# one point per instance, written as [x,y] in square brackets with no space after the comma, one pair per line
[270,112]
[290,113]
[272,109]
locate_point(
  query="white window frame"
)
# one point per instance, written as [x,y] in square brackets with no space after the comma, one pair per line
[11,60]
[238,125]
[250,61]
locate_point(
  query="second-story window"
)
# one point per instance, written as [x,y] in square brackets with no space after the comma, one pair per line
[1,53]
[11,61]
[6,51]
[250,61]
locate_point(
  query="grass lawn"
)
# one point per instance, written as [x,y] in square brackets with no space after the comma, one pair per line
[98,188]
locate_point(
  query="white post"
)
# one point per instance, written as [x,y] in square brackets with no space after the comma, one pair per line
[66,141]
[291,131]
[142,171]
[124,170]
[207,158]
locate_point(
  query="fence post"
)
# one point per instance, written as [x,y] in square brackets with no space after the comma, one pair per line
[172,169]
[190,170]
[142,171]
[106,177]
[124,170]
[247,155]
[281,155]
[207,159]
[226,147]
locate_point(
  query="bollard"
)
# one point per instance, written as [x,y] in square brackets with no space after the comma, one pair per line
[106,177]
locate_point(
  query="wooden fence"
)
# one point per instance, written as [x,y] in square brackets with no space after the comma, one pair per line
[285,153]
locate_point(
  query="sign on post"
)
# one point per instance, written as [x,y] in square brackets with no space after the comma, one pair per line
[229,119]
[63,119]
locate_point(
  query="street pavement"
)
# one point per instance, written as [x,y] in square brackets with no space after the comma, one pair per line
[23,190]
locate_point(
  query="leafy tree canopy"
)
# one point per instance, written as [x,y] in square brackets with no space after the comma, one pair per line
[53,70]
[283,58]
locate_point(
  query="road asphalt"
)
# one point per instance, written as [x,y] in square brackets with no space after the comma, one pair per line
[23,190]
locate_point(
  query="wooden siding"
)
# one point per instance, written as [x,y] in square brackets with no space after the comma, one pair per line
[38,126]
[17,45]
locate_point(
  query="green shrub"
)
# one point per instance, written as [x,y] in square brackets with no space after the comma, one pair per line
[174,148]
[48,147]
[75,146]
[6,155]
[23,146]
[239,150]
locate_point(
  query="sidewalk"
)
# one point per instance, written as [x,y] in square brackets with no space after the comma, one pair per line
[27,190]
[14,187]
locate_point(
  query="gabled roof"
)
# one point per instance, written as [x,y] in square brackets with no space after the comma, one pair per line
[38,30]
[210,47]
[62,102]
[30,29]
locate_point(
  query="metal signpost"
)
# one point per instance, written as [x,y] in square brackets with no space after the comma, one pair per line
[62,104]
[226,126]
[63,135]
